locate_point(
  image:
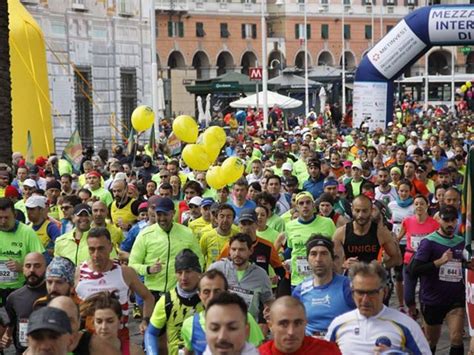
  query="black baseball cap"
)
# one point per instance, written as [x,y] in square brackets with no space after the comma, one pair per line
[248,214]
[49,318]
[164,204]
[82,207]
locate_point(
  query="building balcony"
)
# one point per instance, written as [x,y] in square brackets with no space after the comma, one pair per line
[325,9]
[209,7]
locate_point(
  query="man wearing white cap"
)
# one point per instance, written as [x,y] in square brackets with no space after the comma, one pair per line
[194,211]
[27,189]
[287,170]
[44,228]
[412,143]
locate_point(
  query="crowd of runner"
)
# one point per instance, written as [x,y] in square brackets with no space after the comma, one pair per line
[335,240]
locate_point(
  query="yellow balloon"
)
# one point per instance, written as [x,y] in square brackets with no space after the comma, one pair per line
[212,149]
[215,133]
[214,177]
[142,118]
[232,168]
[464,88]
[195,156]
[468,84]
[185,128]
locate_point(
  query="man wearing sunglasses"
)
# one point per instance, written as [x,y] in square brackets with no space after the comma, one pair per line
[373,327]
[300,230]
[439,263]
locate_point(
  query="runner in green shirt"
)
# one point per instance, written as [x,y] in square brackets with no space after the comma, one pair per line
[299,231]
[16,241]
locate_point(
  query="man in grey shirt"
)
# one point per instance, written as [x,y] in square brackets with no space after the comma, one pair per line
[19,303]
[248,280]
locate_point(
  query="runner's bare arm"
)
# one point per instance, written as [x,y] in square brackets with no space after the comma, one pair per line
[390,245]
[135,284]
[338,240]
[401,233]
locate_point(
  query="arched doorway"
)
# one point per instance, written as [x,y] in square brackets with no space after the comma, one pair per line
[225,63]
[326,58]
[249,59]
[176,60]
[201,64]
[439,63]
[276,63]
[299,60]
[349,59]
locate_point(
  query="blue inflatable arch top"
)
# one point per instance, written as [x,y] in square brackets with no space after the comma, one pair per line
[410,39]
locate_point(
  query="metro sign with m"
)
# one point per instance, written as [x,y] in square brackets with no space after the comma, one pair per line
[255,73]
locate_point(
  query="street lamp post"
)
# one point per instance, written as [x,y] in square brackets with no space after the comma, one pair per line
[264,65]
[306,90]
[343,58]
[154,66]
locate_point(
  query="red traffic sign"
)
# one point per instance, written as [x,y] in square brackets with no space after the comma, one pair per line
[255,73]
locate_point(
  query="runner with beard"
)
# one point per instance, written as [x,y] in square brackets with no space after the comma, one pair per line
[59,280]
[245,278]
[362,239]
[19,304]
[439,263]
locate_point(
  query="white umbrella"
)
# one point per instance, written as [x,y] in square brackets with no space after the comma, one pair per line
[322,99]
[201,115]
[207,113]
[160,98]
[273,98]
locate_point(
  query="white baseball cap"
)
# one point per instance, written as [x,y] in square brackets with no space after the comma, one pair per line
[36,201]
[30,183]
[287,166]
[196,201]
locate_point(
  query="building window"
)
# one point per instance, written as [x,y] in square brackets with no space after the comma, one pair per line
[347,31]
[347,2]
[389,27]
[200,29]
[300,33]
[411,2]
[324,31]
[368,31]
[390,2]
[83,96]
[224,31]
[128,95]
[368,2]
[248,1]
[324,2]
[249,30]
[175,29]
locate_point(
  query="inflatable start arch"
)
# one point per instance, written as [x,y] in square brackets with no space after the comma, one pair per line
[410,39]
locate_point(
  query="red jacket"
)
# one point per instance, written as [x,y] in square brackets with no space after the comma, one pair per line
[310,346]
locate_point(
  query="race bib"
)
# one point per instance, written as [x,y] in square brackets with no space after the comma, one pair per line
[451,271]
[396,230]
[22,330]
[415,242]
[302,266]
[6,275]
[246,295]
